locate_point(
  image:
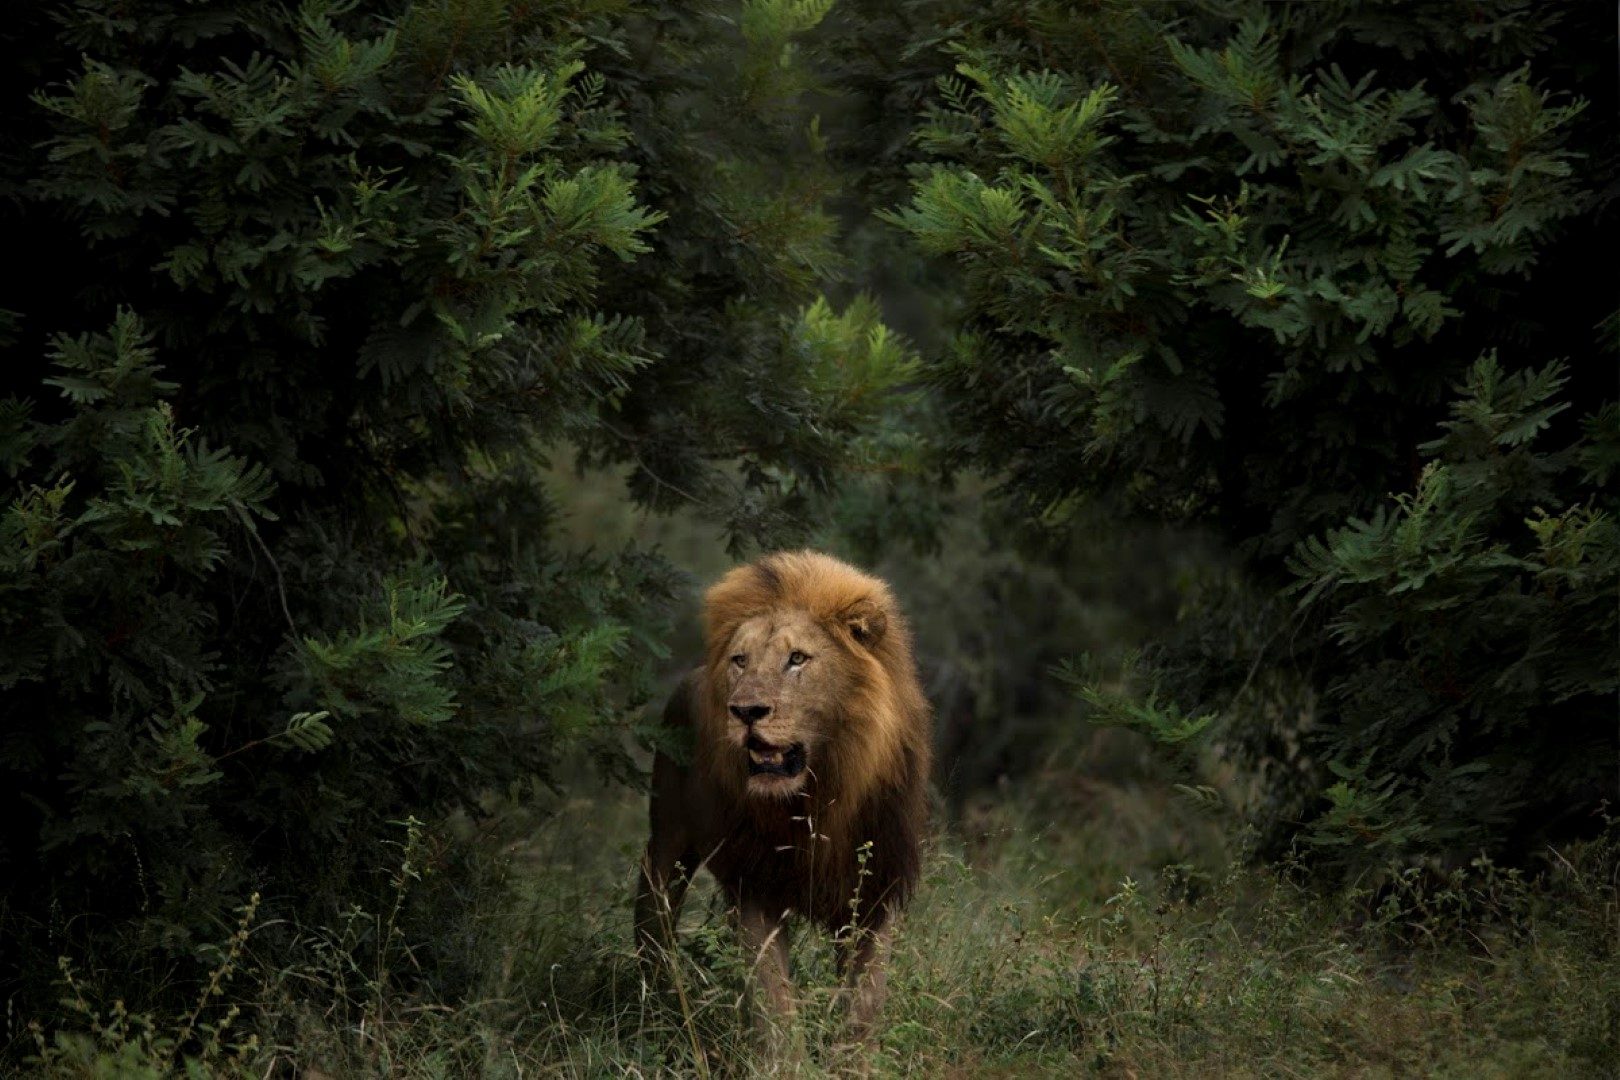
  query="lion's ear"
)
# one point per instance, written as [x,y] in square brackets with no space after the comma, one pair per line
[866,621]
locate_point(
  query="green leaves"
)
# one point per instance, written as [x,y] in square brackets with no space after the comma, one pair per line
[394,665]
[517,113]
[599,205]
[306,731]
[1496,408]
[337,63]
[568,676]
[854,361]
[119,365]
[778,20]
[1116,702]
[1366,814]
[371,256]
[958,212]
[1244,72]
[303,577]
[522,206]
[1053,192]
[101,147]
[1519,179]
[165,485]
[1445,577]
[162,489]
[1236,274]
[1038,120]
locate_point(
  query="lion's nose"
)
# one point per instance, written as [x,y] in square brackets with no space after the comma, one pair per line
[750,714]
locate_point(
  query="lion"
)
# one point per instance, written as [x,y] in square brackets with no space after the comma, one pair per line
[806,795]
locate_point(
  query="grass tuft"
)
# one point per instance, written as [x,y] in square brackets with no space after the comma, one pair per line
[1132,944]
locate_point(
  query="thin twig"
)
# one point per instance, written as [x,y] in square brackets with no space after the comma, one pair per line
[281,583]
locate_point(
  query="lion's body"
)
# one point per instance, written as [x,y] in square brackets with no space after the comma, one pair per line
[806,792]
[760,851]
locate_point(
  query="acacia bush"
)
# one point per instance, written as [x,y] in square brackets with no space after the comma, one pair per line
[1230,264]
[326,283]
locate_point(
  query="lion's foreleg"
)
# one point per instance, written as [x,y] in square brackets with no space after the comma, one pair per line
[659,896]
[666,868]
[765,937]
[864,958]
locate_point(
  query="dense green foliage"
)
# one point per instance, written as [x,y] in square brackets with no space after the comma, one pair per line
[1316,275]
[1264,336]
[325,284]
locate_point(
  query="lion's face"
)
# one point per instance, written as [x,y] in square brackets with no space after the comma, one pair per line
[785,676]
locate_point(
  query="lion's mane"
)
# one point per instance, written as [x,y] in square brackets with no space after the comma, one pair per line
[869,787]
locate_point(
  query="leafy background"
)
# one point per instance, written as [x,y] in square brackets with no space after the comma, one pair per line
[1227,389]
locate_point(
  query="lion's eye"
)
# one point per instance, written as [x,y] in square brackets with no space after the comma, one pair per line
[740,660]
[796,658]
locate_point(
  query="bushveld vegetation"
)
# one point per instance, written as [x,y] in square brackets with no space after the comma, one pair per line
[1225,387]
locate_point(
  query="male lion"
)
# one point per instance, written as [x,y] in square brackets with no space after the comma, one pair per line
[806,793]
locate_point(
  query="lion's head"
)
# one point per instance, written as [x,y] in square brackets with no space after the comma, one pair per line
[810,678]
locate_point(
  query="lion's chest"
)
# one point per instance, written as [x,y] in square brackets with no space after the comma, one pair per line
[779,862]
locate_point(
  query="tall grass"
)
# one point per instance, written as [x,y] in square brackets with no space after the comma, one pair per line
[1079,927]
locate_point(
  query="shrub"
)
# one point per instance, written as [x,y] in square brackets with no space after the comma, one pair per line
[1223,264]
[277,557]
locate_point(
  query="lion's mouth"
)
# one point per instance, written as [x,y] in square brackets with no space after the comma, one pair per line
[769,759]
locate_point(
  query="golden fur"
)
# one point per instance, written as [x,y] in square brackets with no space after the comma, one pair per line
[886,716]
[848,700]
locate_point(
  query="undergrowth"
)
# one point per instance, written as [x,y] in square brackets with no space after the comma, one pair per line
[1096,929]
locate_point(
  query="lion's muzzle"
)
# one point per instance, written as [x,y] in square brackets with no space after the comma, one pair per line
[768,759]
